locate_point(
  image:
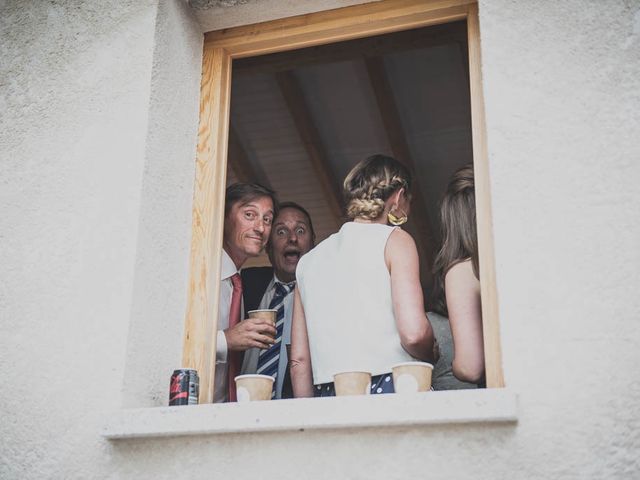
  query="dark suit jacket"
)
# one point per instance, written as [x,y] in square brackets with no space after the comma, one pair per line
[254,283]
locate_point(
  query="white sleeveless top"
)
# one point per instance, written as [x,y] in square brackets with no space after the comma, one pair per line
[345,288]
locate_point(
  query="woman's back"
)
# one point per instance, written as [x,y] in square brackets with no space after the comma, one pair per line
[359,305]
[457,292]
[345,288]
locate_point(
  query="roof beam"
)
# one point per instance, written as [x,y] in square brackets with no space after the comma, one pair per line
[310,138]
[397,140]
[375,46]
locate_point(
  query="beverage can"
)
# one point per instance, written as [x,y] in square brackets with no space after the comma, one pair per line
[184,386]
[194,387]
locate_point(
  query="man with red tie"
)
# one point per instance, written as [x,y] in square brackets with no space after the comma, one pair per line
[248,214]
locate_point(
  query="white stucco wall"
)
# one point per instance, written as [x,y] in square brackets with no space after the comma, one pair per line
[219,14]
[97,146]
[97,138]
[158,307]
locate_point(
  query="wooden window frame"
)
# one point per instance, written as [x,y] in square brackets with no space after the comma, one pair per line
[220,48]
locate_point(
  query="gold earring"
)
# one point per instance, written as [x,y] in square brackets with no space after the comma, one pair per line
[397,220]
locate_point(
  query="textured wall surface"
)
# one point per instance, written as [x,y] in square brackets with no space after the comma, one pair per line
[162,263]
[97,137]
[75,84]
[97,141]
[562,93]
[218,14]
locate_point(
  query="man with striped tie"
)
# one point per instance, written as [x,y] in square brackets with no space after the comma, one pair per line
[291,237]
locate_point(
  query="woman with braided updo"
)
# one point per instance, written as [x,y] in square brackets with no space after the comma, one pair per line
[358,304]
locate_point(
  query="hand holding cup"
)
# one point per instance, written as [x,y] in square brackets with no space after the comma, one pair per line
[257,331]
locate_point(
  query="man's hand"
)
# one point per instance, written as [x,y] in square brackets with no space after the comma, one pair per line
[249,333]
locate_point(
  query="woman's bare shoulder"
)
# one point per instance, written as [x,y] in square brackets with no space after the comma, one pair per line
[400,248]
[462,274]
[461,268]
[400,239]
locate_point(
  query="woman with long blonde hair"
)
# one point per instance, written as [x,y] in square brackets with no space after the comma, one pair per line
[358,305]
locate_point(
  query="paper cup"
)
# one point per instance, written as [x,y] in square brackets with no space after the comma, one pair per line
[412,377]
[252,388]
[267,314]
[352,383]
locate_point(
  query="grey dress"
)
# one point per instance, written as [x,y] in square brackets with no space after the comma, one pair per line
[443,378]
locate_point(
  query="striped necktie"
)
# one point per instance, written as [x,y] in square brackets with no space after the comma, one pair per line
[268,359]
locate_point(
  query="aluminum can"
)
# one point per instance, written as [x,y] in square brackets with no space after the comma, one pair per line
[194,387]
[184,386]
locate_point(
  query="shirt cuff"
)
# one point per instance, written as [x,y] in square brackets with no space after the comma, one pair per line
[221,347]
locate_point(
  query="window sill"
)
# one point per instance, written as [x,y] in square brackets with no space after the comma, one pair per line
[432,408]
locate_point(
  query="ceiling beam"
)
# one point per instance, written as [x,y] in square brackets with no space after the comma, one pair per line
[419,222]
[238,159]
[429,37]
[310,138]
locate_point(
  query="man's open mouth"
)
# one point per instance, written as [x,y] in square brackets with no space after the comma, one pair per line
[292,255]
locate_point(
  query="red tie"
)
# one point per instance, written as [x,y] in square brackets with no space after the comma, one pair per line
[234,319]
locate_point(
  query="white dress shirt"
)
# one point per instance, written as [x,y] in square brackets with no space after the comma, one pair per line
[227,270]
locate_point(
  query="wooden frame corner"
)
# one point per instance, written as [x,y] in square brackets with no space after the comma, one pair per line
[199,345]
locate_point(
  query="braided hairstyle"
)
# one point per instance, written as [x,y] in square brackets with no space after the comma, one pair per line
[370,184]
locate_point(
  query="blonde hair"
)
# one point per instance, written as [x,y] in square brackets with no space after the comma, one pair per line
[370,184]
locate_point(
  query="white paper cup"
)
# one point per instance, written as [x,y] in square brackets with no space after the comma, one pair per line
[352,383]
[252,388]
[412,377]
[267,314]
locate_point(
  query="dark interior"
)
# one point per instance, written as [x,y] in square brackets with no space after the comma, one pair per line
[301,119]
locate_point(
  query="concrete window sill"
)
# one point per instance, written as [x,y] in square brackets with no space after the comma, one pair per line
[432,408]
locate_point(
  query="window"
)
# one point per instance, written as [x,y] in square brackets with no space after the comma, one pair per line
[220,49]
[301,119]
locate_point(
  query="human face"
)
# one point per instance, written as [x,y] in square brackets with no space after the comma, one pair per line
[290,239]
[247,228]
